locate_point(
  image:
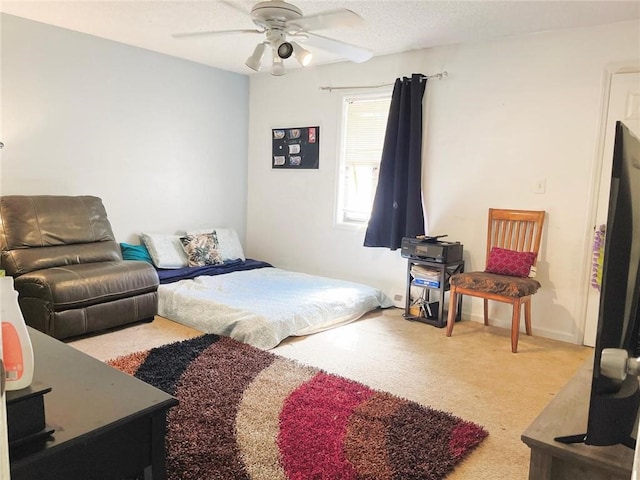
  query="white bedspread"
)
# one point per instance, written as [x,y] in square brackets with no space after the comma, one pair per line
[264,306]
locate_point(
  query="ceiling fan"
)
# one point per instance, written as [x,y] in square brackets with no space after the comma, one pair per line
[283,24]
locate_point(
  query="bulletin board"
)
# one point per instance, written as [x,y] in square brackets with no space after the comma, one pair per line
[296,148]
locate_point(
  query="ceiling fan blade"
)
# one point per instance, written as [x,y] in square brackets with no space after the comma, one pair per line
[330,19]
[220,32]
[213,33]
[350,52]
[235,7]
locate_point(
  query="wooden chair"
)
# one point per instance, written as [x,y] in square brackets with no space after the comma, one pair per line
[514,230]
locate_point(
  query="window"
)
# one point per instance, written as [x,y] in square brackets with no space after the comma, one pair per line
[364,121]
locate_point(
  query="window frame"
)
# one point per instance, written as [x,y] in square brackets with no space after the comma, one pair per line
[345,100]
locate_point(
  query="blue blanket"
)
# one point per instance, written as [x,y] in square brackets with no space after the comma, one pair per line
[167,275]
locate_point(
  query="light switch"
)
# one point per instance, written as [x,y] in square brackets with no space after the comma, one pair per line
[539,185]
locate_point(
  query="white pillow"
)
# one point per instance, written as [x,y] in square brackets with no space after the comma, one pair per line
[228,242]
[166,250]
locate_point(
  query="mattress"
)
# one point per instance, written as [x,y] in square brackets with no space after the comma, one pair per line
[264,306]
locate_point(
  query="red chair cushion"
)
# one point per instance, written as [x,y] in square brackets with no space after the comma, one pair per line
[510,262]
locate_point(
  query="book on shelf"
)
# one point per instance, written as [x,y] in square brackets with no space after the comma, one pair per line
[425,277]
[425,282]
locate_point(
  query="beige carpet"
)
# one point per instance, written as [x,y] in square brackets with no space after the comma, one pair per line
[473,374]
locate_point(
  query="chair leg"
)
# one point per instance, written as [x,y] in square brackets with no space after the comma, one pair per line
[527,315]
[486,311]
[453,306]
[515,326]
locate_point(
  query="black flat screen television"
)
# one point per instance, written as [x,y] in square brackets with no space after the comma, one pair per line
[613,406]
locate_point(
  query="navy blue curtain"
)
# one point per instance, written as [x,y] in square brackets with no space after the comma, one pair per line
[397,205]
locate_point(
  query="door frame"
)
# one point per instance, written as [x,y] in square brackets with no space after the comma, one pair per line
[596,173]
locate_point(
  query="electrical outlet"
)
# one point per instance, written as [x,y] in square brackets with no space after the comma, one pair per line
[398,300]
[539,185]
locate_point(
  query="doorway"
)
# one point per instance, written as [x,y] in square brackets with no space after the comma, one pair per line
[622,102]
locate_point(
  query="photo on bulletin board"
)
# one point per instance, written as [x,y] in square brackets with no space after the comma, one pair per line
[296,148]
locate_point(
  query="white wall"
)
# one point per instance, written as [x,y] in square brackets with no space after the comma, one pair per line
[511,111]
[163,141]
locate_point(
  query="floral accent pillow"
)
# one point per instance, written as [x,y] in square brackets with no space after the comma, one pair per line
[228,242]
[510,262]
[201,249]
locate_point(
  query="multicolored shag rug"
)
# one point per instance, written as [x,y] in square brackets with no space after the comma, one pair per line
[245,413]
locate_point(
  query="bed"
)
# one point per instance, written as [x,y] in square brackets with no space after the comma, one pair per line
[207,283]
[255,303]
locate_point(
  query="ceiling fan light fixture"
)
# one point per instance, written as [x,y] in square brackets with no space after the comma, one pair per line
[277,68]
[285,49]
[254,62]
[279,21]
[302,55]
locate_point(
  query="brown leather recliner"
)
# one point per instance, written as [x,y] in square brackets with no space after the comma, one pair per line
[67,267]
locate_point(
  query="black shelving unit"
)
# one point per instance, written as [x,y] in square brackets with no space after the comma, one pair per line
[432,301]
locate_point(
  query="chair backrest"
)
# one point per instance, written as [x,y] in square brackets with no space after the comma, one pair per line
[519,230]
[44,231]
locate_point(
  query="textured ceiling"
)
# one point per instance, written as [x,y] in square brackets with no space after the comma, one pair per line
[391,26]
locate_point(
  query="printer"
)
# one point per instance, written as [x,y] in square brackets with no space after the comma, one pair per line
[431,249]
